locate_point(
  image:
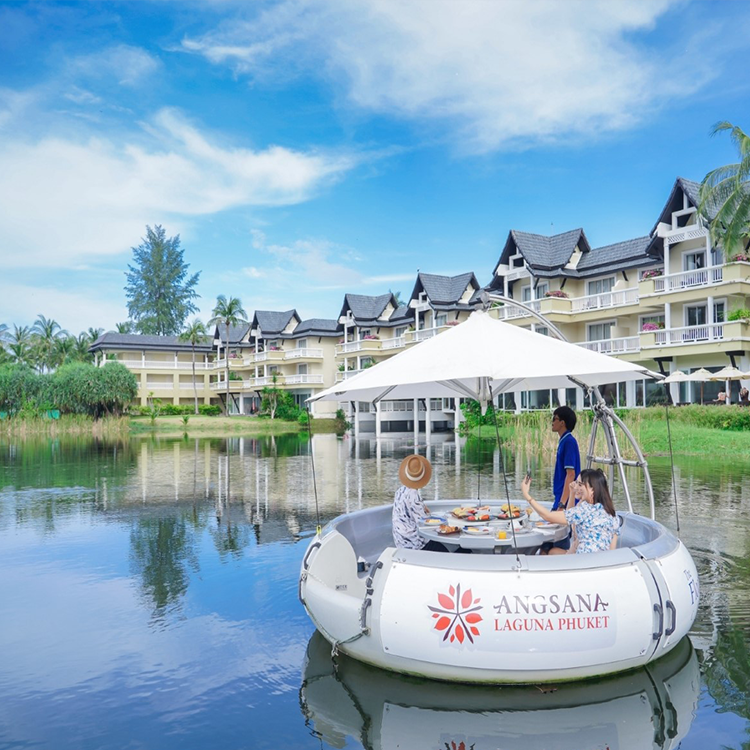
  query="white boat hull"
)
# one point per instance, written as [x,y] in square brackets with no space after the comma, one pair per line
[499,618]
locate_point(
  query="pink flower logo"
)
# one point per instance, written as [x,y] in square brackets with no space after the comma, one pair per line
[457,615]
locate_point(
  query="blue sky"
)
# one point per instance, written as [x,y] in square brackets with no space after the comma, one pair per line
[303,150]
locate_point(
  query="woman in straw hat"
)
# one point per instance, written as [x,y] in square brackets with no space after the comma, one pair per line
[409,510]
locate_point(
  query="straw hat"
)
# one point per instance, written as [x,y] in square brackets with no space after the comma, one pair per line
[415,471]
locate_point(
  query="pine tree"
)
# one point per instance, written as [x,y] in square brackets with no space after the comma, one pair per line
[159,292]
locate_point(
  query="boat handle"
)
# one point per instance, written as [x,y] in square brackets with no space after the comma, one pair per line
[378,565]
[363,614]
[670,606]
[659,611]
[307,554]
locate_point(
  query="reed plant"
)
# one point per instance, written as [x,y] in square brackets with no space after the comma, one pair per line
[22,426]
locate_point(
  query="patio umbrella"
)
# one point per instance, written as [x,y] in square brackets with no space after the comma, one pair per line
[479,359]
[701,376]
[728,373]
[677,377]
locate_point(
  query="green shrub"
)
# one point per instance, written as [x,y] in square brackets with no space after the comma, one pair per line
[209,410]
[303,418]
[739,314]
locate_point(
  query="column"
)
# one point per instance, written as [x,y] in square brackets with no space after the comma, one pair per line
[668,317]
[355,404]
[427,425]
[415,407]
[666,258]
[459,415]
[377,420]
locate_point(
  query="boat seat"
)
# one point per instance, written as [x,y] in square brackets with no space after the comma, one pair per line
[369,533]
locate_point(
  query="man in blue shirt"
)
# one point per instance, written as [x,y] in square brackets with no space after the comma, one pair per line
[567,468]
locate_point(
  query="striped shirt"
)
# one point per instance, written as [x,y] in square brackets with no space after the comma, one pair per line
[408,513]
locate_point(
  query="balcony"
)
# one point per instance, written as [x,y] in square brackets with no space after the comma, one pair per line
[363,345]
[613,346]
[394,343]
[511,312]
[348,374]
[274,355]
[304,354]
[153,364]
[303,380]
[605,300]
[699,277]
[683,234]
[729,333]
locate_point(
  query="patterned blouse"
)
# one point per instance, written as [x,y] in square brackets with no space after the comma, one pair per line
[408,514]
[594,526]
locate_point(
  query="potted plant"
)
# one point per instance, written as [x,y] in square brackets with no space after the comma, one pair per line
[557,293]
[652,273]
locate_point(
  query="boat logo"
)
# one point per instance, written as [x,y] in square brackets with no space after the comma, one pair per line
[458,616]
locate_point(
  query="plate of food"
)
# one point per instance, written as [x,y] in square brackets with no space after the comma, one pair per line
[477,530]
[446,530]
[434,520]
[506,512]
[463,512]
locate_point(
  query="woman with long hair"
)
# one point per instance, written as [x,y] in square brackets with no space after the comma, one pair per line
[596,522]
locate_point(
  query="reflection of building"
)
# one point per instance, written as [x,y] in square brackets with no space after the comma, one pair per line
[667,300]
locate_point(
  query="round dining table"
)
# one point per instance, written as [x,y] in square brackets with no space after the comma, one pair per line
[528,539]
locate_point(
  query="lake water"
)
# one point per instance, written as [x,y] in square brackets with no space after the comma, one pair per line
[148,599]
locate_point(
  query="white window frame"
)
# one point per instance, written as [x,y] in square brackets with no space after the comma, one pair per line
[686,322]
[612,323]
[301,343]
[589,293]
[701,251]
[541,289]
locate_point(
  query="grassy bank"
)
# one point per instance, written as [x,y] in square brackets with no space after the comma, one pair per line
[202,425]
[67,424]
[695,430]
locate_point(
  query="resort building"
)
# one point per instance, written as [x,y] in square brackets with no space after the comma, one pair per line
[665,300]
[668,300]
[276,349]
[162,364]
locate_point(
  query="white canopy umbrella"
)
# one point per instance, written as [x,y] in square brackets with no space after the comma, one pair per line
[701,376]
[728,373]
[678,376]
[479,359]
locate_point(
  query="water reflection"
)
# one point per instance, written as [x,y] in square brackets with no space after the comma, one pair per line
[651,707]
[159,560]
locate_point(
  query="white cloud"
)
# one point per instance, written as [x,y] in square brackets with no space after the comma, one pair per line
[499,72]
[127,65]
[63,201]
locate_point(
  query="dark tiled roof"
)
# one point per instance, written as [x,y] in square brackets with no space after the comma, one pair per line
[318,327]
[112,339]
[444,290]
[674,203]
[544,253]
[236,333]
[272,323]
[603,259]
[403,314]
[365,307]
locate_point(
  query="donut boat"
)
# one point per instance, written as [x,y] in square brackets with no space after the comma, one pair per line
[501,618]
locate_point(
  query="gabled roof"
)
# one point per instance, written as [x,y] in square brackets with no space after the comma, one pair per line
[112,339]
[444,291]
[273,323]
[368,309]
[691,190]
[544,253]
[236,333]
[403,314]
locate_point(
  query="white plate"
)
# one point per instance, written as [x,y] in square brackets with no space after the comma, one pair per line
[477,530]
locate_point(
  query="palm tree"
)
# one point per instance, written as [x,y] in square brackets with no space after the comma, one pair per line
[3,332]
[20,345]
[81,344]
[195,333]
[125,327]
[4,356]
[47,333]
[93,334]
[63,351]
[725,192]
[228,312]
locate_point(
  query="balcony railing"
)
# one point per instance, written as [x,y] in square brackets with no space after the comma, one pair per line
[675,282]
[613,346]
[691,232]
[185,386]
[510,312]
[159,386]
[604,300]
[358,346]
[348,374]
[304,379]
[425,333]
[154,364]
[395,343]
[267,356]
[304,354]
[689,335]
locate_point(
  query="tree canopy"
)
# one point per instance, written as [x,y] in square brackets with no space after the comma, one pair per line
[159,291]
[726,191]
